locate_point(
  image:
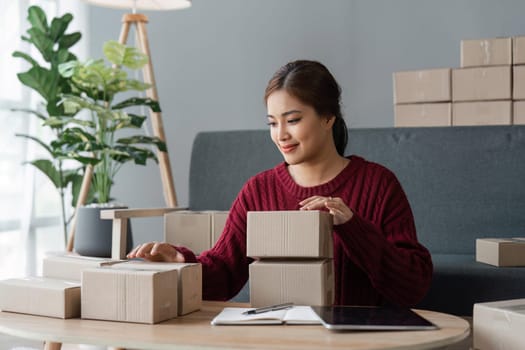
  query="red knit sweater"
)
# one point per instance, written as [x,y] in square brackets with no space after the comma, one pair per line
[377,258]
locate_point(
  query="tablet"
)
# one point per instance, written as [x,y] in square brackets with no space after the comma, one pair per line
[371,318]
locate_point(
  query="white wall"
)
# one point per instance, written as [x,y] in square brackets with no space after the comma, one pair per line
[212,62]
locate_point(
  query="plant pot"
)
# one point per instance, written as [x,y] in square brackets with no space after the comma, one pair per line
[93,235]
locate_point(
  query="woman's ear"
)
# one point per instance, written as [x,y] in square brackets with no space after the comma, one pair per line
[330,121]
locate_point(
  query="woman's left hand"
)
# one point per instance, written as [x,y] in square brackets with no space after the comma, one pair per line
[335,206]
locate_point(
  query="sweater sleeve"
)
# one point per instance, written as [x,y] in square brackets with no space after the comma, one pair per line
[225,266]
[398,266]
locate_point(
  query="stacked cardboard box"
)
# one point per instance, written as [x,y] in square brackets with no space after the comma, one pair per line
[488,89]
[197,230]
[422,98]
[295,257]
[501,251]
[518,93]
[141,292]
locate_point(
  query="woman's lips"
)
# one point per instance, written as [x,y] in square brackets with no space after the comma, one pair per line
[288,148]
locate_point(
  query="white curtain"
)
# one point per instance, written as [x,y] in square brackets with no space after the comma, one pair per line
[29,204]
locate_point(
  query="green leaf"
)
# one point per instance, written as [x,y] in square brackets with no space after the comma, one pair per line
[25,57]
[68,40]
[137,101]
[37,17]
[59,26]
[141,139]
[42,42]
[41,80]
[37,140]
[120,54]
[30,111]
[48,168]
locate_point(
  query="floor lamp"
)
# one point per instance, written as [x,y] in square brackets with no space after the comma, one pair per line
[139,21]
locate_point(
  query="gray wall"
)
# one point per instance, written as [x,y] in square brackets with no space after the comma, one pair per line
[212,63]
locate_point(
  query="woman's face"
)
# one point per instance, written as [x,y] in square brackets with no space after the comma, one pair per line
[300,134]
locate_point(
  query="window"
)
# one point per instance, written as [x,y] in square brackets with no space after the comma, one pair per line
[29,204]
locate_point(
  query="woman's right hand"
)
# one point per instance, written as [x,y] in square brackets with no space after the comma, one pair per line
[156,251]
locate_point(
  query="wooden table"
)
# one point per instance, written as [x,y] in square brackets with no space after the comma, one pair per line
[195,332]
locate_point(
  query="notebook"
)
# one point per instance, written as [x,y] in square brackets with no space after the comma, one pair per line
[293,315]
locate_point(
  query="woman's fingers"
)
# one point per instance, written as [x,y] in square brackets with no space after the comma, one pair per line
[334,205]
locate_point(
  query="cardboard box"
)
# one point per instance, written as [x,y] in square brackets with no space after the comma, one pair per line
[432,85]
[486,52]
[499,325]
[41,296]
[189,286]
[482,113]
[129,295]
[197,230]
[518,76]
[501,251]
[485,83]
[306,282]
[296,233]
[69,266]
[423,114]
[518,50]
[518,113]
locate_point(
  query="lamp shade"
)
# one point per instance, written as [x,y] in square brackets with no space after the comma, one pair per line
[161,5]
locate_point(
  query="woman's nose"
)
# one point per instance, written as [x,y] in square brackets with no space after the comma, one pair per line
[282,132]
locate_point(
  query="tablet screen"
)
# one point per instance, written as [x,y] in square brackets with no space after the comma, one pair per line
[371,318]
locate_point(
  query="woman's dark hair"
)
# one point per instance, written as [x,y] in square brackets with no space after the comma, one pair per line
[314,85]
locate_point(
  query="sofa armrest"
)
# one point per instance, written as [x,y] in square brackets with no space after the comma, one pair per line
[120,225]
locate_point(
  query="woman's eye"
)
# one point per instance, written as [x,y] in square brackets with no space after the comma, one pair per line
[271,124]
[294,121]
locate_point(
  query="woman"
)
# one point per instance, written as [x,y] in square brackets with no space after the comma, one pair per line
[377,257]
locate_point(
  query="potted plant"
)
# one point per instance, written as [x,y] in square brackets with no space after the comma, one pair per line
[53,44]
[94,140]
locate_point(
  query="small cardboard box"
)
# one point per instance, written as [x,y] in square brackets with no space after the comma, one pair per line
[129,295]
[189,288]
[499,325]
[69,266]
[295,233]
[41,296]
[518,50]
[518,113]
[484,83]
[423,114]
[482,113]
[486,52]
[303,282]
[518,76]
[197,230]
[432,85]
[501,251]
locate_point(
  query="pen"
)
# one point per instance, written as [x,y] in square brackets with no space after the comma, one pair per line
[268,308]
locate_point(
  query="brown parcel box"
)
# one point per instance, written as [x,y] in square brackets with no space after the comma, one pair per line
[423,114]
[70,266]
[518,50]
[486,52]
[432,85]
[518,113]
[499,325]
[482,113]
[518,79]
[479,84]
[501,251]
[189,284]
[295,233]
[197,230]
[302,282]
[128,295]
[41,296]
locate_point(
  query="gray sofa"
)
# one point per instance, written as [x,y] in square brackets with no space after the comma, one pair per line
[462,183]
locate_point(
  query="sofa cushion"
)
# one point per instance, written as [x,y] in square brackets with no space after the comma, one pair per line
[459,281]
